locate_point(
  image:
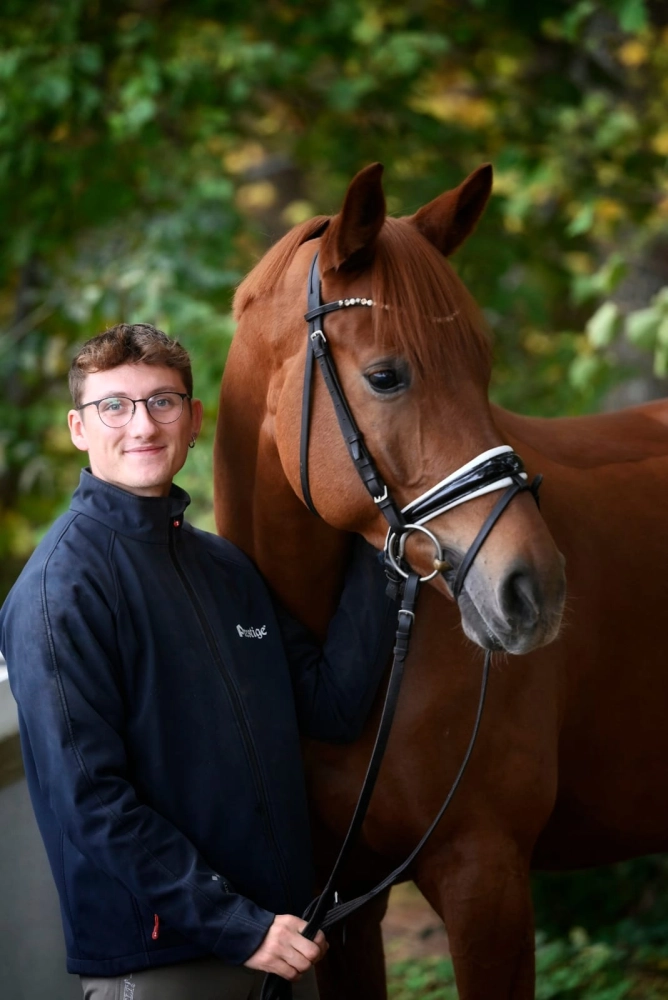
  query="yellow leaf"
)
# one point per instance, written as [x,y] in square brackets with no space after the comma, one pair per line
[255,197]
[608,210]
[579,263]
[538,343]
[507,182]
[60,132]
[296,212]
[660,142]
[513,224]
[456,106]
[239,160]
[632,53]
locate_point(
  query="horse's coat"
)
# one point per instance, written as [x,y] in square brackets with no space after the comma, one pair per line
[569,765]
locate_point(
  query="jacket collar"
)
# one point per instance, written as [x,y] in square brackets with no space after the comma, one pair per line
[147,519]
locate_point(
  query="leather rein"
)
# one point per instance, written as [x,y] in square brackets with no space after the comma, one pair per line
[496,469]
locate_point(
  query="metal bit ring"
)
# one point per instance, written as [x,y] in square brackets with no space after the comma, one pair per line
[394,554]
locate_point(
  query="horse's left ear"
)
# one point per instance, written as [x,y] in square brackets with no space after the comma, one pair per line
[451,218]
[350,237]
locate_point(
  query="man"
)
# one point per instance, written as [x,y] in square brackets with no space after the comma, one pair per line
[160,695]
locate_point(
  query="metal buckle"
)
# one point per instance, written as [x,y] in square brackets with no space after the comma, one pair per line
[382,497]
[395,557]
[318,333]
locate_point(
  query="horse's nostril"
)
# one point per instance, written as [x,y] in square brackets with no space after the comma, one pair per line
[519,598]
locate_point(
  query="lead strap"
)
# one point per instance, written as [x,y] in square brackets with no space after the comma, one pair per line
[321,912]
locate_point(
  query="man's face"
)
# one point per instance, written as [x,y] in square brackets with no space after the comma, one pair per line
[143,456]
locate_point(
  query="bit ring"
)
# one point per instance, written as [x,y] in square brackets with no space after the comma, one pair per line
[395,553]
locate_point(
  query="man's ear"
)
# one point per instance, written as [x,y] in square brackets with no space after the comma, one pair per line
[350,236]
[451,218]
[77,430]
[197,411]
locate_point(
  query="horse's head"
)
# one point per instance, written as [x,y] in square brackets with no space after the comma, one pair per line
[414,368]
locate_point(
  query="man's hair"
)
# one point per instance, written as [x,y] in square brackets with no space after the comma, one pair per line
[139,343]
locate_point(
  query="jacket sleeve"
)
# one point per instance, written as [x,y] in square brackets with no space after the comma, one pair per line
[60,648]
[335,684]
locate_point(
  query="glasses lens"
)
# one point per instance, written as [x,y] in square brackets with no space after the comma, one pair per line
[115,410]
[165,407]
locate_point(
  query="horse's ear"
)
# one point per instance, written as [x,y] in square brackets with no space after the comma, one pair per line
[451,218]
[351,235]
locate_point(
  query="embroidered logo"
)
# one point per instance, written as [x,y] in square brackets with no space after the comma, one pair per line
[252,633]
[128,989]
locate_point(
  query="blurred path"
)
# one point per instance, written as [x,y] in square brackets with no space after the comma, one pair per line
[32,951]
[411,929]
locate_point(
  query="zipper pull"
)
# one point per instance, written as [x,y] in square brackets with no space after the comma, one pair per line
[156,927]
[176,523]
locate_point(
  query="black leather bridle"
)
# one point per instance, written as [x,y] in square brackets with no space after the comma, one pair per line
[496,469]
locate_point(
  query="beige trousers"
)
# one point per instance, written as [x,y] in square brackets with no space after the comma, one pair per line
[202,979]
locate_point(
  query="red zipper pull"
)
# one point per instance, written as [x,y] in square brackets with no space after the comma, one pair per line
[176,523]
[156,927]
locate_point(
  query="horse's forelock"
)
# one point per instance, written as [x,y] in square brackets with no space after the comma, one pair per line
[423,309]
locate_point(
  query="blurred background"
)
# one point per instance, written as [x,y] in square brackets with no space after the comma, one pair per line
[151,151]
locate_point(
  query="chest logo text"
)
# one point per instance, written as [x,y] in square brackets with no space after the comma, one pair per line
[252,633]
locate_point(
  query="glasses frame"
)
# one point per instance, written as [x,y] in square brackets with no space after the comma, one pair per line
[146,401]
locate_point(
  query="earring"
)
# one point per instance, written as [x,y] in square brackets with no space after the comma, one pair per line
[191,443]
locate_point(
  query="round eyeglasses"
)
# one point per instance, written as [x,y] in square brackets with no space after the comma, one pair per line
[116,411]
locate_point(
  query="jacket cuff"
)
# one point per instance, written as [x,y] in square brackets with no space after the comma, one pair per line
[244,932]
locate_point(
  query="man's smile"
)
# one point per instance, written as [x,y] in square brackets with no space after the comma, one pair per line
[145,449]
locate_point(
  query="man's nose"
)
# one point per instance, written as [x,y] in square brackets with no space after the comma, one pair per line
[141,421]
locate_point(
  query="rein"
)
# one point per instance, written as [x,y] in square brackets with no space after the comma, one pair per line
[496,469]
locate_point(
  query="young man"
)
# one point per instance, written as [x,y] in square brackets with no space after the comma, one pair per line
[160,697]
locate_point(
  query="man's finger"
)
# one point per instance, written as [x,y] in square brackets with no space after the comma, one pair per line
[309,949]
[298,960]
[285,970]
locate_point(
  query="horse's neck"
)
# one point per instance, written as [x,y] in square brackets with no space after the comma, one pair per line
[301,557]
[583,443]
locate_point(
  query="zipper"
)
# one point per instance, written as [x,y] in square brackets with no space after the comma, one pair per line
[235,698]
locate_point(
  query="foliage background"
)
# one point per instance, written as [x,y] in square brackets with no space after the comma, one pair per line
[150,151]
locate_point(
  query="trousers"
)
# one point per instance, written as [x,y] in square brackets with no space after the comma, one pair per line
[202,979]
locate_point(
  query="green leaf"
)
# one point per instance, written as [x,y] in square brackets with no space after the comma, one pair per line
[661,361]
[660,300]
[662,332]
[632,14]
[603,326]
[582,222]
[583,370]
[642,326]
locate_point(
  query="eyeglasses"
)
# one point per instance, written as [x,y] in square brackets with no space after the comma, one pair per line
[116,411]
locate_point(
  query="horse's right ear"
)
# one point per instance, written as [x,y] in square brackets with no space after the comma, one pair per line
[451,218]
[350,237]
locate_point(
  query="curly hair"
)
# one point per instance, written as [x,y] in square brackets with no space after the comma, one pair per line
[137,343]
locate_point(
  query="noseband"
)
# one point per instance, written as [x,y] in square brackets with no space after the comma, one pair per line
[497,469]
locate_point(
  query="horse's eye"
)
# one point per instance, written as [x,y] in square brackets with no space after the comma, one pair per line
[384,380]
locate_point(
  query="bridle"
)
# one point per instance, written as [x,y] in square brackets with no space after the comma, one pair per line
[493,470]
[499,468]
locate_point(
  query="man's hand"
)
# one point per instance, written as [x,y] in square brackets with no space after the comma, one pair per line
[285,951]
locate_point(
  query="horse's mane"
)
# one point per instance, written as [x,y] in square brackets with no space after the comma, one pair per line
[421,307]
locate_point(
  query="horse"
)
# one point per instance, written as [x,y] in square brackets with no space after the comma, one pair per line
[566,771]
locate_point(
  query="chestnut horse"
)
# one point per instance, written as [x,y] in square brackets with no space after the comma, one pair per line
[568,768]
